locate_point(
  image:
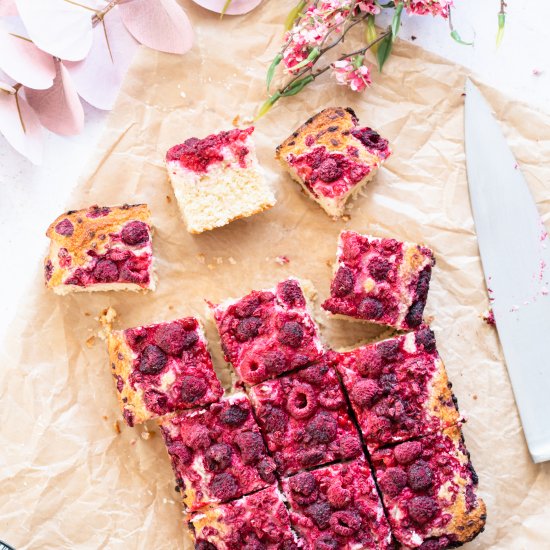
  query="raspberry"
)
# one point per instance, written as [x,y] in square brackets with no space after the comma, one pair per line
[370,139]
[304,485]
[218,457]
[301,401]
[338,496]
[248,328]
[291,334]
[389,350]
[310,457]
[254,544]
[106,271]
[314,375]
[425,337]
[252,371]
[152,360]
[266,470]
[97,211]
[414,316]
[48,270]
[420,476]
[365,393]
[275,419]
[251,446]
[135,233]
[326,542]
[322,428]
[331,398]
[135,270]
[224,486]
[196,437]
[204,545]
[350,446]
[234,415]
[370,308]
[435,544]
[275,362]
[406,452]
[345,523]
[320,513]
[65,228]
[118,254]
[343,282]
[387,383]
[246,307]
[291,293]
[423,283]
[173,339]
[329,170]
[393,481]
[422,509]
[369,362]
[192,388]
[180,453]
[135,337]
[379,268]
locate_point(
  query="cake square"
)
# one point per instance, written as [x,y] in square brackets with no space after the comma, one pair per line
[338,507]
[100,248]
[380,280]
[160,368]
[217,453]
[217,179]
[332,158]
[268,332]
[257,521]
[304,419]
[429,487]
[398,388]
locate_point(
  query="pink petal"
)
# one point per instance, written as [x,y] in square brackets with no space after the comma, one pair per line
[98,66]
[27,142]
[58,108]
[7,8]
[58,27]
[25,63]
[159,24]
[237,7]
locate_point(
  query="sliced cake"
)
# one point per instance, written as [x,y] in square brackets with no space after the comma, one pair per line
[217,453]
[217,179]
[398,388]
[332,157]
[384,281]
[100,248]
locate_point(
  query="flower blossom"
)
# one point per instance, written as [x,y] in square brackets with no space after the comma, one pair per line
[435,7]
[351,72]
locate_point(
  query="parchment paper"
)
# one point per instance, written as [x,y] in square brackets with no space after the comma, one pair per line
[68,479]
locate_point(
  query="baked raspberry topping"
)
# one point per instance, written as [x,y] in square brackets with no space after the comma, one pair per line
[337,507]
[267,333]
[398,390]
[198,154]
[65,228]
[300,429]
[372,141]
[134,233]
[215,460]
[380,280]
[98,211]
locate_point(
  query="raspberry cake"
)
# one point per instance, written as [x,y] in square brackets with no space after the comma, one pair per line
[380,280]
[338,508]
[268,332]
[305,420]
[332,158]
[429,487]
[254,522]
[217,453]
[217,179]
[398,388]
[100,248]
[160,368]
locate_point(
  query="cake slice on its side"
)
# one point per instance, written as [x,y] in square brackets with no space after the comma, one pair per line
[100,248]
[304,418]
[217,179]
[338,507]
[384,281]
[268,332]
[217,453]
[160,368]
[398,388]
[257,521]
[332,158]
[429,487]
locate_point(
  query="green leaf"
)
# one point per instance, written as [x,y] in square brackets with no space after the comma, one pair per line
[225,7]
[501,23]
[384,51]
[294,14]
[267,104]
[271,70]
[313,54]
[388,5]
[396,21]
[456,37]
[370,33]
[298,86]
[358,61]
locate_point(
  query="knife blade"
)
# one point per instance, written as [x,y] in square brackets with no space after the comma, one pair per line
[515,254]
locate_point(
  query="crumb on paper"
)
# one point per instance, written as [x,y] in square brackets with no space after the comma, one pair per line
[282,260]
[133,441]
[489,317]
[168,199]
[170,308]
[211,266]
[232,260]
[218,260]
[116,426]
[413,37]
[87,313]
[168,501]
[105,417]
[146,435]
[537,72]
[330,263]
[346,218]
[183,94]
[235,121]
[201,258]
[544,291]
[90,341]
[474,397]
[514,308]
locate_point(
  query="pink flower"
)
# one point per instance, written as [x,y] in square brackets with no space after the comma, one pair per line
[368,6]
[351,72]
[435,7]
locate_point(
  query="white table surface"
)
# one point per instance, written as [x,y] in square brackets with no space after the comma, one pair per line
[31,197]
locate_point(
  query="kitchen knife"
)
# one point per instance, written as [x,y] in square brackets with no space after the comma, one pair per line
[515,253]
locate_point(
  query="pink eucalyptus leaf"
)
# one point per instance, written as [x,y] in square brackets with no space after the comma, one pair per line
[58,27]
[98,67]
[28,142]
[25,63]
[159,24]
[237,7]
[58,108]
